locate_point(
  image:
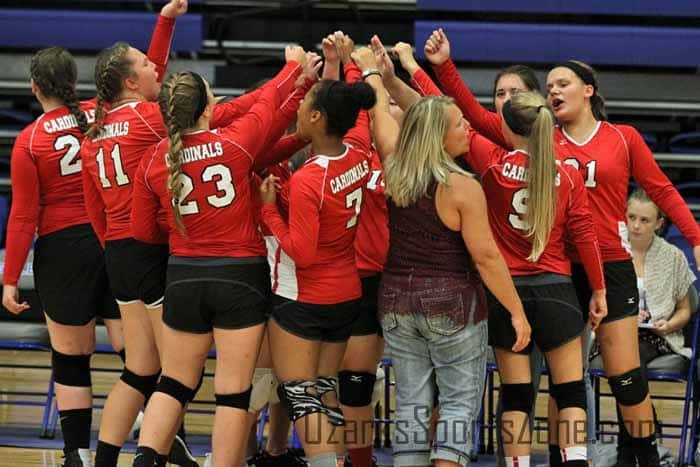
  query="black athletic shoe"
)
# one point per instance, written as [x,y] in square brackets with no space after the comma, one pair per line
[181,455]
[264,459]
[347,463]
[625,457]
[72,459]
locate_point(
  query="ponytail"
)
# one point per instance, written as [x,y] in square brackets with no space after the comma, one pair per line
[341,103]
[541,183]
[55,74]
[527,114]
[112,67]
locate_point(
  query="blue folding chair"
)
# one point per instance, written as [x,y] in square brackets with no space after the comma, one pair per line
[685,143]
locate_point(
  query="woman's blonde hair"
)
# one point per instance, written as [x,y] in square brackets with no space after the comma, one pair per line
[420,154]
[178,103]
[531,113]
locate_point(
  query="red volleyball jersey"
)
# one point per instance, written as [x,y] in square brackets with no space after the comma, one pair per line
[372,241]
[314,257]
[46,191]
[607,160]
[216,204]
[504,179]
[112,159]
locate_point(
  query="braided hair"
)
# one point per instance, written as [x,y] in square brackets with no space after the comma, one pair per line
[182,99]
[55,73]
[112,67]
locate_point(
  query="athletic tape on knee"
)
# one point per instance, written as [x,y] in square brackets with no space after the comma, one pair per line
[175,389]
[630,388]
[143,384]
[236,400]
[324,385]
[71,370]
[517,397]
[569,395]
[356,388]
[296,399]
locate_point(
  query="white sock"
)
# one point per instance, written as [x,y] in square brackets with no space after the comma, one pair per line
[86,457]
[574,453]
[518,461]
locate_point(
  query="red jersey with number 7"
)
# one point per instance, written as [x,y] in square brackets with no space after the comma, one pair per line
[315,254]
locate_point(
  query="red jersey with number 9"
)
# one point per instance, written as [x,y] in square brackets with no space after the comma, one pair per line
[504,179]
[315,256]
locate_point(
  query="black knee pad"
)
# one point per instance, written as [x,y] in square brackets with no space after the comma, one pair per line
[517,397]
[295,398]
[175,389]
[568,395]
[356,388]
[71,370]
[237,401]
[143,384]
[630,388]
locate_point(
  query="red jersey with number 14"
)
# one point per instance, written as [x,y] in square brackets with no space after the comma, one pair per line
[372,241]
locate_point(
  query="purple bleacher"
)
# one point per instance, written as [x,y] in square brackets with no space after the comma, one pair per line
[587,7]
[91,30]
[551,43]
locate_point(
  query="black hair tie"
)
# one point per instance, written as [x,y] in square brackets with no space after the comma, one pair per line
[539,107]
[516,126]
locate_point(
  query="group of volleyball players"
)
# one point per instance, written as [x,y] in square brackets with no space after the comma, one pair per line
[181,210]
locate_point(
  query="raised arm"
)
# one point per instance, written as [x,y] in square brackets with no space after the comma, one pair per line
[250,132]
[331,60]
[386,130]
[159,48]
[402,93]
[437,51]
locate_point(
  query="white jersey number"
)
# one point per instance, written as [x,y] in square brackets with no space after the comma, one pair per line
[590,171]
[120,177]
[224,196]
[353,199]
[519,203]
[70,163]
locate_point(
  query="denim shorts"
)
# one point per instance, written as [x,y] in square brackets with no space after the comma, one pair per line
[434,352]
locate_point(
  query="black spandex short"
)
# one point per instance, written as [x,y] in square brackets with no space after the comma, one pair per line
[367,322]
[136,271]
[70,276]
[620,285]
[551,308]
[224,293]
[326,323]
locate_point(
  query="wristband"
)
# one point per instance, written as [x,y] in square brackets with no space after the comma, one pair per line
[372,71]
